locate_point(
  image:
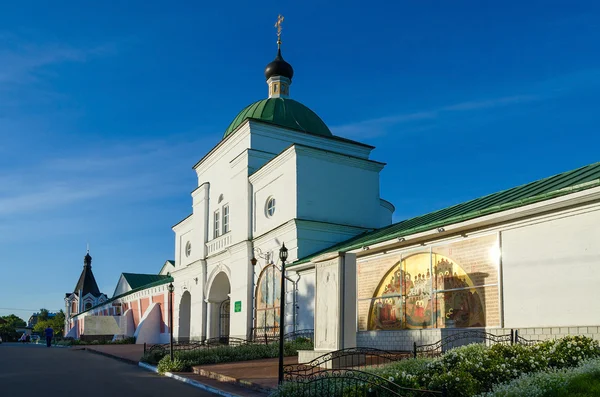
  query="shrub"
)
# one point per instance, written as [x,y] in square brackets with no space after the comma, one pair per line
[553,382]
[476,368]
[153,357]
[291,348]
[225,353]
[177,365]
[124,341]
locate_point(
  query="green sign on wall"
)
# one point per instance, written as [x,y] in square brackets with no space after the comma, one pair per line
[237,306]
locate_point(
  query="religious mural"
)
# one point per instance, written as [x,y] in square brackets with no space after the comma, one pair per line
[268,293]
[444,287]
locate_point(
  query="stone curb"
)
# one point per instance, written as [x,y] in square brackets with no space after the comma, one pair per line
[190,382]
[230,379]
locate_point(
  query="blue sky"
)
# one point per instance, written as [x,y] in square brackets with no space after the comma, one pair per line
[104,109]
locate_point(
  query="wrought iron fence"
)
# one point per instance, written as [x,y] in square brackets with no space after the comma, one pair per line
[522,341]
[347,383]
[448,342]
[271,334]
[353,358]
[226,341]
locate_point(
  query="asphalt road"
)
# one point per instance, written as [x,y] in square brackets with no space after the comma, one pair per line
[38,371]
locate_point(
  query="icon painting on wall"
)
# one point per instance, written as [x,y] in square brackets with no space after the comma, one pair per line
[404,298]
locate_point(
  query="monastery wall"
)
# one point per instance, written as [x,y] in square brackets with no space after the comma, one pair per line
[551,272]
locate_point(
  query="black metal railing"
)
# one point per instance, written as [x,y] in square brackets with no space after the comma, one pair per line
[347,383]
[271,334]
[353,358]
[522,341]
[203,344]
[227,341]
[448,342]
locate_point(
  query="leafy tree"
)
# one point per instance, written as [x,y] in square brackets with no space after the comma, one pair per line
[8,329]
[43,315]
[57,323]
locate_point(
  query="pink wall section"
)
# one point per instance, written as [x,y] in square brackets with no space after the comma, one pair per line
[138,311]
[160,299]
[144,303]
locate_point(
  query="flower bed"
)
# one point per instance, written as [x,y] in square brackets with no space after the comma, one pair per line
[476,368]
[185,360]
[581,381]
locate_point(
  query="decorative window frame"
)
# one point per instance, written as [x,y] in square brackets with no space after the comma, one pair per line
[217,223]
[270,209]
[225,218]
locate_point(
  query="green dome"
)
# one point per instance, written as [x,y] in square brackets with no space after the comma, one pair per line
[283,112]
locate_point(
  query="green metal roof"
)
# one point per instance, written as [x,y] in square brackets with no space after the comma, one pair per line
[558,185]
[283,112]
[163,280]
[136,280]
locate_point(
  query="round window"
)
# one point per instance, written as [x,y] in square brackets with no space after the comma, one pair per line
[188,249]
[270,207]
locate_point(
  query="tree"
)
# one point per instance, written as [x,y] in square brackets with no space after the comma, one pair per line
[8,330]
[57,323]
[43,316]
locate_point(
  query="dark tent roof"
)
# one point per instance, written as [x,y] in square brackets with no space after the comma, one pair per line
[87,283]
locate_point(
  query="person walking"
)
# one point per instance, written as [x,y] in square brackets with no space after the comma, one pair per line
[49,334]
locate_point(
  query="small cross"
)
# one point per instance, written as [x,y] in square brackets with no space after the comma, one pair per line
[280,19]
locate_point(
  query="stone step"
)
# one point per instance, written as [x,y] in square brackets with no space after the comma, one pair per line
[262,390]
[227,387]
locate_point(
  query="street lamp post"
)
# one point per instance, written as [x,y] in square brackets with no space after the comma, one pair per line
[171,289]
[283,254]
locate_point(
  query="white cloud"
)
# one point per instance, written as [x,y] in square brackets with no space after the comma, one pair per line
[141,171]
[20,61]
[381,125]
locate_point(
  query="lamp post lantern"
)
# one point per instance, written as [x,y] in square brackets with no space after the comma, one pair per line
[283,254]
[171,289]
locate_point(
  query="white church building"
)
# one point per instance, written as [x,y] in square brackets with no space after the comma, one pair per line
[527,258]
[278,176]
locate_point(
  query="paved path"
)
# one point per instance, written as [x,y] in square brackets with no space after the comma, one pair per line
[257,374]
[34,371]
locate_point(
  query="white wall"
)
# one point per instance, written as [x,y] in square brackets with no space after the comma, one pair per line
[148,330]
[306,300]
[277,180]
[122,286]
[317,236]
[337,189]
[273,139]
[551,272]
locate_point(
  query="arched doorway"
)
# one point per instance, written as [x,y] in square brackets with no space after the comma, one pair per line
[185,317]
[219,307]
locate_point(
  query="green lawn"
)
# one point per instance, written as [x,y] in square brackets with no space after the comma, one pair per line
[586,385]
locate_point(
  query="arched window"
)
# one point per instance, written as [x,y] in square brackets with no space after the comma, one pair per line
[268,292]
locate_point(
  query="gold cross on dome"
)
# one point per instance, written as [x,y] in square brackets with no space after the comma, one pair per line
[280,19]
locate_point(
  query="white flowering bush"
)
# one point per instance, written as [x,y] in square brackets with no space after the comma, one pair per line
[405,373]
[476,368]
[568,351]
[553,382]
